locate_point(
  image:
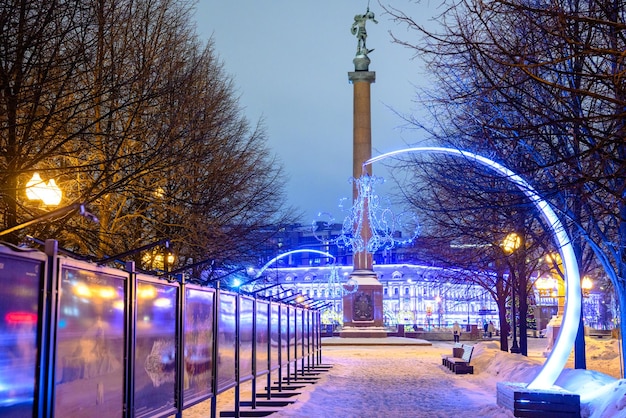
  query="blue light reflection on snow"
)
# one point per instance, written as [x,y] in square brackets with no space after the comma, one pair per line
[558,356]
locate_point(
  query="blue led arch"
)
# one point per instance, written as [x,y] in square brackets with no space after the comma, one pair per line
[269,263]
[555,362]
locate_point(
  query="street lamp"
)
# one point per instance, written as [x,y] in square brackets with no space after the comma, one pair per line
[49,193]
[586,285]
[554,260]
[580,360]
[438,300]
[511,243]
[546,287]
[159,260]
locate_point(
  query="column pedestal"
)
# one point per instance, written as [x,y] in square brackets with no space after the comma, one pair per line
[363,310]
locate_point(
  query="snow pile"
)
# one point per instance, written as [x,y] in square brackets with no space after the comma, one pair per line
[503,366]
[370,381]
[601,395]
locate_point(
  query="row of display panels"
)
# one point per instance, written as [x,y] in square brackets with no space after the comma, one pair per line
[113,330]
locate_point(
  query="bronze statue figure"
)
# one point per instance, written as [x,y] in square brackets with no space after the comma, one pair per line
[358,29]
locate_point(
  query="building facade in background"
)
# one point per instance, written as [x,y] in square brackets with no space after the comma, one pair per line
[416,291]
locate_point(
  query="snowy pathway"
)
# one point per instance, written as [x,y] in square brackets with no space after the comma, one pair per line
[409,381]
[388,381]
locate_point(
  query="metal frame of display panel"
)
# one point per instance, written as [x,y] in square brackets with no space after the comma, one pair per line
[246,318]
[292,343]
[91,340]
[226,324]
[283,349]
[198,342]
[23,325]
[307,337]
[130,335]
[275,336]
[244,326]
[158,310]
[318,336]
[299,320]
[297,335]
[262,342]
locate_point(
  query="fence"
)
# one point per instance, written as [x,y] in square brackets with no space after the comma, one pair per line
[82,340]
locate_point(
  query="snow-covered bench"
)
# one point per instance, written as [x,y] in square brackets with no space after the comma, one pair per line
[461,365]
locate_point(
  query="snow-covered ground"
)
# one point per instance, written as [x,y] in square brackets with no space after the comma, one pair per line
[409,381]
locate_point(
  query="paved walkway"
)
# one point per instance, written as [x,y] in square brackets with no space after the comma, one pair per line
[338,341]
[398,379]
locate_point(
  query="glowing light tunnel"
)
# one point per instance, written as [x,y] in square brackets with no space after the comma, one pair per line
[288,253]
[555,362]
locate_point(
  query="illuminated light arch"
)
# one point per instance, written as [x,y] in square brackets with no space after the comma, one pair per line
[558,356]
[273,260]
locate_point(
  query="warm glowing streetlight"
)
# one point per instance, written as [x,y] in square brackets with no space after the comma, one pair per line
[511,243]
[49,193]
[586,285]
[546,286]
[157,260]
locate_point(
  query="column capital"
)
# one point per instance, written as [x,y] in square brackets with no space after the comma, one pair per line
[356,76]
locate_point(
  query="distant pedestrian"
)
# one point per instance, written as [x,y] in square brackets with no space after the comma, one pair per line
[490,329]
[485,329]
[456,331]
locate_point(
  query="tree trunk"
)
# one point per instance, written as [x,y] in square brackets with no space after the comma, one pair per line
[504,325]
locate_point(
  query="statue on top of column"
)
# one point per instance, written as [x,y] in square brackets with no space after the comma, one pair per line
[358,29]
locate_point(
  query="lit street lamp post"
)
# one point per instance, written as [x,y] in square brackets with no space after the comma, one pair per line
[511,243]
[580,361]
[438,300]
[50,194]
[545,287]
[586,285]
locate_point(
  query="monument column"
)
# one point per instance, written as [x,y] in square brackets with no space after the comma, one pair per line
[362,310]
[362,147]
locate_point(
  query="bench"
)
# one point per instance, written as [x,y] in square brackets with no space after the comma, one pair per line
[599,333]
[457,351]
[525,402]
[461,365]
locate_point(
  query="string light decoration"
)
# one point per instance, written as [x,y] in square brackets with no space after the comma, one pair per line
[367,212]
[334,282]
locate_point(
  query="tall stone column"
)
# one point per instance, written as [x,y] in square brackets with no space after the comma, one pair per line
[363,310]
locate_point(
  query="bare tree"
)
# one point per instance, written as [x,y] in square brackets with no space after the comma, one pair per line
[137,119]
[545,80]
[472,212]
